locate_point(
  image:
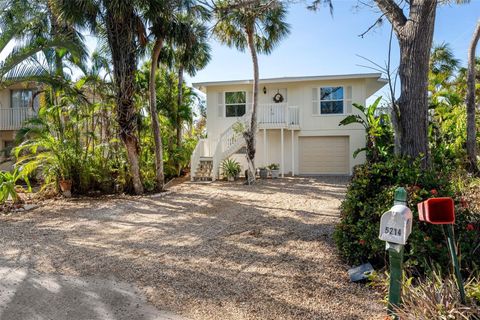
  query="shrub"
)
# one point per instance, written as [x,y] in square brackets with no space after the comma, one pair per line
[9,184]
[230,167]
[370,194]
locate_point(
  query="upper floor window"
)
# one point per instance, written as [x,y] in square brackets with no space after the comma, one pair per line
[328,100]
[20,98]
[331,100]
[235,103]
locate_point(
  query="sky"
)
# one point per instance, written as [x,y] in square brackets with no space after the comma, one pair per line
[320,44]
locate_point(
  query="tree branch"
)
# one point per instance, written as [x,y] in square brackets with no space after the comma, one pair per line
[393,13]
[377,22]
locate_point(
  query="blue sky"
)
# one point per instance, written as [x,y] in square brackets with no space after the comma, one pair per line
[320,44]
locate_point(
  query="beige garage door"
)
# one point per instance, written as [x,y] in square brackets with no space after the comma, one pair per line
[324,155]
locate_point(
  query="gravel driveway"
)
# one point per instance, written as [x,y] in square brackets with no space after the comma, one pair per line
[203,251]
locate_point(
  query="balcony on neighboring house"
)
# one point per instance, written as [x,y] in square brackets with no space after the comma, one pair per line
[13,118]
[18,110]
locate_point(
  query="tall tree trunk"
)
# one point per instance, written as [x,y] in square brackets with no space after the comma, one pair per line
[157,138]
[121,40]
[415,36]
[251,132]
[178,118]
[179,104]
[470,101]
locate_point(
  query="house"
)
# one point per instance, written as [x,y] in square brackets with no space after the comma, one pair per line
[15,107]
[298,124]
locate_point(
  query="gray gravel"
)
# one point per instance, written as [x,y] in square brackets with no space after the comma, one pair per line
[205,251]
[29,295]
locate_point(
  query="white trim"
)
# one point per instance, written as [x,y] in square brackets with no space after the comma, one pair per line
[319,101]
[234,104]
[378,76]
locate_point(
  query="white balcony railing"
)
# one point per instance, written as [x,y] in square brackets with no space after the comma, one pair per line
[278,115]
[13,118]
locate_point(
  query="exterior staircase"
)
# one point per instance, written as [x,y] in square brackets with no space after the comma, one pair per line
[209,153]
[231,140]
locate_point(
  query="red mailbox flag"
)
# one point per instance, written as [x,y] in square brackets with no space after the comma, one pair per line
[437,211]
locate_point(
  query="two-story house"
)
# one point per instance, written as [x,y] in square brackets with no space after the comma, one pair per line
[15,107]
[298,124]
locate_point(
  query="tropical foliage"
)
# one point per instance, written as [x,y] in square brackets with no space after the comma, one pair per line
[95,130]
[371,190]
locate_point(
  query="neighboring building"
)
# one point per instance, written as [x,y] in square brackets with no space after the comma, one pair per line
[298,121]
[15,107]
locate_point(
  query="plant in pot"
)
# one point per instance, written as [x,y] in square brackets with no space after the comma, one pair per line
[231,169]
[65,185]
[263,171]
[275,170]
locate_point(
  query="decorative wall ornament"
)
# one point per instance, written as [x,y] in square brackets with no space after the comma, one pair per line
[278,97]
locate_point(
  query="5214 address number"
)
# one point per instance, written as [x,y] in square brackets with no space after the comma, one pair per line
[393,231]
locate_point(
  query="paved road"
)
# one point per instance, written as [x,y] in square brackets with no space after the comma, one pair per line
[29,295]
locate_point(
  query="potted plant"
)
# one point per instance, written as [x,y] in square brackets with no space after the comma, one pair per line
[65,186]
[231,169]
[275,170]
[263,171]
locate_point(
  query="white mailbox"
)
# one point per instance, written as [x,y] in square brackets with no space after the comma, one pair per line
[396,224]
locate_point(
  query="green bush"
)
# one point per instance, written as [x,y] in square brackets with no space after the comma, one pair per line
[370,194]
[230,168]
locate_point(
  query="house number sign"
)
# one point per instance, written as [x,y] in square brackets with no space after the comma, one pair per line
[396,225]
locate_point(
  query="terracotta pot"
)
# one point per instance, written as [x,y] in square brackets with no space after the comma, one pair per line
[66,187]
[231,178]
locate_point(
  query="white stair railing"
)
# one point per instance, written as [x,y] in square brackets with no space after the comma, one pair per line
[198,152]
[232,138]
[230,141]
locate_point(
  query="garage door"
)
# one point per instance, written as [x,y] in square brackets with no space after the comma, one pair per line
[324,155]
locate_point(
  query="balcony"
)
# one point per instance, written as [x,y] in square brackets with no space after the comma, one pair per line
[278,115]
[13,118]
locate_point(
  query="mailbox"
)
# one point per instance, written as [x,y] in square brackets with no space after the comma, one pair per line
[396,225]
[437,211]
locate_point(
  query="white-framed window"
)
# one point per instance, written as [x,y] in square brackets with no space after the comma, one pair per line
[332,100]
[20,98]
[235,103]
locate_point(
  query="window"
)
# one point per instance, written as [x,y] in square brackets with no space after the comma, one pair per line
[20,98]
[235,103]
[331,100]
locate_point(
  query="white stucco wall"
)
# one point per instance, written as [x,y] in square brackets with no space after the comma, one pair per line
[298,94]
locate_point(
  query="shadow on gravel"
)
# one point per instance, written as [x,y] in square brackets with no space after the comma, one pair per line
[218,251]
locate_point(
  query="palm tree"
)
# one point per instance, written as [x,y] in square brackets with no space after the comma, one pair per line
[443,66]
[470,101]
[162,19]
[258,25]
[124,31]
[38,33]
[192,53]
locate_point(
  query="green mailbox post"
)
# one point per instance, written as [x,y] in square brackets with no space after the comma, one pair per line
[395,228]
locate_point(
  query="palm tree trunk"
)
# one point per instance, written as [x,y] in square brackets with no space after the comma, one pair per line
[179,104]
[177,116]
[470,101]
[154,116]
[121,39]
[251,132]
